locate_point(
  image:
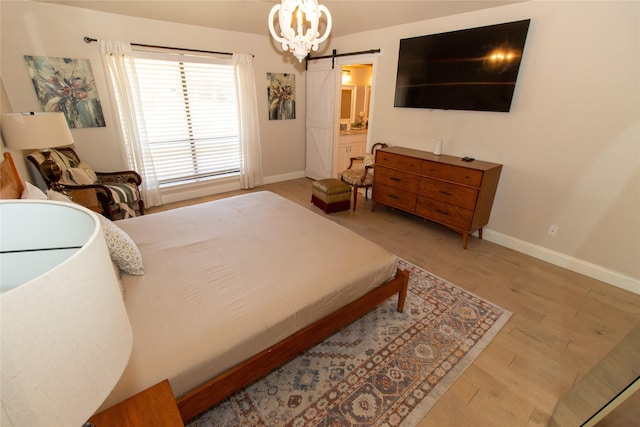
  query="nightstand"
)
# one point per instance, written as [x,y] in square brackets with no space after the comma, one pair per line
[86,197]
[154,406]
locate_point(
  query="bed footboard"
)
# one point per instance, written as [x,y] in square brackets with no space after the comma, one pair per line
[234,379]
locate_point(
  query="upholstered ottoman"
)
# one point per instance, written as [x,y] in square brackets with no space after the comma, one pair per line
[331,195]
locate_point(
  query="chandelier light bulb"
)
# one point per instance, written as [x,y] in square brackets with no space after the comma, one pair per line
[298,21]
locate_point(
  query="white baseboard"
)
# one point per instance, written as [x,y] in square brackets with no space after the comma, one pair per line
[594,271]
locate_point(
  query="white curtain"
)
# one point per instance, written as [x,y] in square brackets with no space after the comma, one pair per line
[250,152]
[117,58]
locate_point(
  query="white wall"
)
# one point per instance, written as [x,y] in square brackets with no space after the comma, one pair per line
[570,146]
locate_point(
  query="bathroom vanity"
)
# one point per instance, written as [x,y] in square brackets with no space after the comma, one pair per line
[351,143]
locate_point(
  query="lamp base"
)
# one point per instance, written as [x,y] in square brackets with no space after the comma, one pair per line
[50,170]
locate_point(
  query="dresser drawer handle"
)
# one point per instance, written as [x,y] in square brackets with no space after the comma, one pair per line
[393,196]
[442,212]
[393,178]
[446,193]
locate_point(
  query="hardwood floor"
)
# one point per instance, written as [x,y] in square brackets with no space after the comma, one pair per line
[563,323]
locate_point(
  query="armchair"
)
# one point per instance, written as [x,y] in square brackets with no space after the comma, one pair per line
[117,192]
[359,174]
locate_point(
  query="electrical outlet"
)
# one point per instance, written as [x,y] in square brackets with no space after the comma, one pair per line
[553,230]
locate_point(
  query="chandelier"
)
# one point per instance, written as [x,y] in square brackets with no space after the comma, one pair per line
[298,20]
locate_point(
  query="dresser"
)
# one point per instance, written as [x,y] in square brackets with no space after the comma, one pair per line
[442,189]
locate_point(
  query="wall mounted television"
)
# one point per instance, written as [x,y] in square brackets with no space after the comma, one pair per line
[472,69]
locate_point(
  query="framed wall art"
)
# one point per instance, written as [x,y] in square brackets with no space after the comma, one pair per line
[281,93]
[67,85]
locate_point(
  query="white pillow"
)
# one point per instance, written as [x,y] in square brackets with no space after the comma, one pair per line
[32,192]
[368,160]
[57,196]
[83,174]
[122,249]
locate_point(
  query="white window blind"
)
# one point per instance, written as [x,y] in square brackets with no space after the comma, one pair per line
[190,115]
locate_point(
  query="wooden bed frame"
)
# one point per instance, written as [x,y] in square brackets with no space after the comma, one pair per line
[234,379]
[224,385]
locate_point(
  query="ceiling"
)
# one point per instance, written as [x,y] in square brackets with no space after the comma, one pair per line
[251,16]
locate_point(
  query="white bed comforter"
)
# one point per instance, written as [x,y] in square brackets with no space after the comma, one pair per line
[226,279]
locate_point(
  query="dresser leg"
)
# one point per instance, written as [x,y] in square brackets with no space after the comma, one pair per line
[465,238]
[480,233]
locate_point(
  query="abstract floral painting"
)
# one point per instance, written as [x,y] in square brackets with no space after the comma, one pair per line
[281,93]
[67,85]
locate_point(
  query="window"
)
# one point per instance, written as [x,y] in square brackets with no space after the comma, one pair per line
[190,116]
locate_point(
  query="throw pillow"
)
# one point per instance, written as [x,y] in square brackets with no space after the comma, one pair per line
[368,160]
[122,249]
[83,174]
[57,196]
[32,192]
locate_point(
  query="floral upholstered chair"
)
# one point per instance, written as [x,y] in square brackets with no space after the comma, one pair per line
[118,193]
[359,174]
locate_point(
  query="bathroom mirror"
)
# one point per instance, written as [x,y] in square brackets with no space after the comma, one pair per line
[347,106]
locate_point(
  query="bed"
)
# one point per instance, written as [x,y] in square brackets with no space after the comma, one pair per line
[234,288]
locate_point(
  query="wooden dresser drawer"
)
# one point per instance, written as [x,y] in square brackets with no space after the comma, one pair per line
[444,213]
[396,161]
[453,194]
[452,173]
[394,197]
[396,179]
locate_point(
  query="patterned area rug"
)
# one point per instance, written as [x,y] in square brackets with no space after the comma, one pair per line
[385,369]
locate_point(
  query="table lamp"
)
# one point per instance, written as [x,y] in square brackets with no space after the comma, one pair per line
[65,333]
[38,131]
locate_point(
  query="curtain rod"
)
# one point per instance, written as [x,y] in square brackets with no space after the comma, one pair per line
[91,40]
[335,55]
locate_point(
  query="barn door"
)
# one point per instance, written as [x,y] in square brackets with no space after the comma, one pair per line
[321,92]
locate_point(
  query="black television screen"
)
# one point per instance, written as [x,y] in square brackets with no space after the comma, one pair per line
[472,69]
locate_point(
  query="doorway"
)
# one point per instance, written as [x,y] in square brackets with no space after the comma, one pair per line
[353,118]
[324,157]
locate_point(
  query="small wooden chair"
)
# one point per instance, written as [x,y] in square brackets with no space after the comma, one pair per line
[359,174]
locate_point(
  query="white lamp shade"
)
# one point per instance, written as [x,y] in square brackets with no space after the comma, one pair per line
[65,333]
[32,131]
